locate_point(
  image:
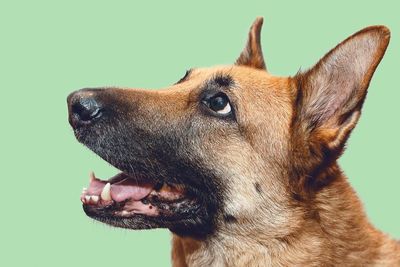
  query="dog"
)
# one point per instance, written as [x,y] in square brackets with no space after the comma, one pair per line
[240,165]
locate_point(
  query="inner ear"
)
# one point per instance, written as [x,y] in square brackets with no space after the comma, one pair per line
[252,55]
[331,93]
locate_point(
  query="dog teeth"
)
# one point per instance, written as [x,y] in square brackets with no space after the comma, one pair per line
[106,193]
[124,212]
[95,199]
[88,199]
[92,176]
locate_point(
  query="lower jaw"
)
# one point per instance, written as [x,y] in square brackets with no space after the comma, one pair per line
[195,223]
[137,222]
[152,206]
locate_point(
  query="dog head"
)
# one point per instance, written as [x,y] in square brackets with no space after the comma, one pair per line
[225,147]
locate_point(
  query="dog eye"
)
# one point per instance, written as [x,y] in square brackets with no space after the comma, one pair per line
[219,104]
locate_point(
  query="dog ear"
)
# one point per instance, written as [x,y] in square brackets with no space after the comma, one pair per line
[252,55]
[330,95]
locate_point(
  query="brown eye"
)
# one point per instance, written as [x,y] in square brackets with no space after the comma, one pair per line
[220,104]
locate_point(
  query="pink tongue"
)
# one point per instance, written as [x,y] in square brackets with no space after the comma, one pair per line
[95,187]
[122,190]
[129,189]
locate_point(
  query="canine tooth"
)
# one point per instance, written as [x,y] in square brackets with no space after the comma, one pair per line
[106,194]
[87,198]
[95,198]
[92,176]
[124,212]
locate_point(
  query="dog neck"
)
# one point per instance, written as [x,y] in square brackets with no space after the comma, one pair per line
[336,233]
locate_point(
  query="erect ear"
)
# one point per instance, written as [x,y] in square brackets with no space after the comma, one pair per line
[331,94]
[252,55]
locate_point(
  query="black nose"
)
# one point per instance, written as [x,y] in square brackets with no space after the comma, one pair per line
[83,107]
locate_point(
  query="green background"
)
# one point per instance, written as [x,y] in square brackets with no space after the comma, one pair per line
[49,48]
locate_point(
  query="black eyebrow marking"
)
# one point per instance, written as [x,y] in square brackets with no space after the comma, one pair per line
[223,80]
[220,80]
[185,77]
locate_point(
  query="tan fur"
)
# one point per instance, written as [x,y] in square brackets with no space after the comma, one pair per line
[329,227]
[340,236]
[271,166]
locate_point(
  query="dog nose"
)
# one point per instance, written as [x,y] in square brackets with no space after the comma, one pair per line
[83,107]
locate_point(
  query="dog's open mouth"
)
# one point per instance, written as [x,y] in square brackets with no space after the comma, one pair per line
[126,196]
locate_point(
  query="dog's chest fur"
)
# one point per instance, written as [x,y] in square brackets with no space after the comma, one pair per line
[309,250]
[340,236]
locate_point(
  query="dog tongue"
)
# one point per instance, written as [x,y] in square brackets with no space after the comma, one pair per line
[121,190]
[129,189]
